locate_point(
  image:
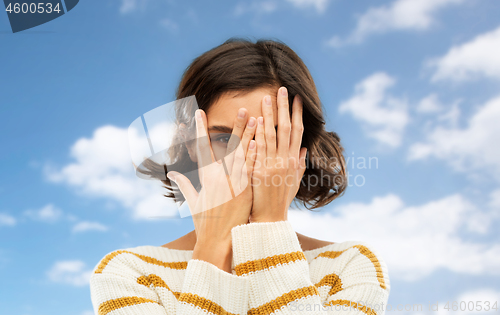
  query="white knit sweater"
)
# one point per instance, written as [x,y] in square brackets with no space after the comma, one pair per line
[271,275]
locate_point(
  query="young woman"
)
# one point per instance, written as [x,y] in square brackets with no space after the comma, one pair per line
[258,102]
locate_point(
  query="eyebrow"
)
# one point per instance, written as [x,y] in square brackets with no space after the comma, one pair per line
[220,128]
[226,129]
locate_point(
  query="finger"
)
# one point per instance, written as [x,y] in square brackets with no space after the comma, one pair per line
[235,139]
[185,186]
[297,128]
[248,167]
[270,132]
[203,145]
[284,124]
[238,128]
[261,144]
[248,135]
[298,174]
[300,170]
[302,161]
[239,161]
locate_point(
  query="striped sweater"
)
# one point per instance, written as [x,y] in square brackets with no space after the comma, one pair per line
[270,275]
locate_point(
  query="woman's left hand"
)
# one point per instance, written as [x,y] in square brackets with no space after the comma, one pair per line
[279,167]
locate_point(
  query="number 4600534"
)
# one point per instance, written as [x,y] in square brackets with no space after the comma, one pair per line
[471,306]
[32,8]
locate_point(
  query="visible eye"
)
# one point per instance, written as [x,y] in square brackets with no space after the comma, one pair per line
[222,138]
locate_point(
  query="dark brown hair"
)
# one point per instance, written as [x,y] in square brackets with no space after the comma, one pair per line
[239,65]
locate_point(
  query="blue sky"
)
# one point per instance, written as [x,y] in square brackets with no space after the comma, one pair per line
[411,83]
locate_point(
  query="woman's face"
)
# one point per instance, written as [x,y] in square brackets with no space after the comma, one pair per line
[222,114]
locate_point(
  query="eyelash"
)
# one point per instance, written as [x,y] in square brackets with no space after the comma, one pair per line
[228,136]
[224,137]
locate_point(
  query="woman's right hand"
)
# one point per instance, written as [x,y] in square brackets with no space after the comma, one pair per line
[225,199]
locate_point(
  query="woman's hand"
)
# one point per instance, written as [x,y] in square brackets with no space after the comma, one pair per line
[225,199]
[279,167]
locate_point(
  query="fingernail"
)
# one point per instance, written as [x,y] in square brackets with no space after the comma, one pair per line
[197,114]
[283,91]
[261,120]
[241,113]
[267,99]
[298,98]
[252,144]
[171,177]
[251,122]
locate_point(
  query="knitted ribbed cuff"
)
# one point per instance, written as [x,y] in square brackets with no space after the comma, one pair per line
[260,240]
[211,283]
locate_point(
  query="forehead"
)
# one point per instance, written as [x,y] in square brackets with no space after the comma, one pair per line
[224,111]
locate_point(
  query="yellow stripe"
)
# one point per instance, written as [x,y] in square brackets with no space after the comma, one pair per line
[268,262]
[286,298]
[331,254]
[203,303]
[331,280]
[380,275]
[157,282]
[355,305]
[115,304]
[184,297]
[367,253]
[151,260]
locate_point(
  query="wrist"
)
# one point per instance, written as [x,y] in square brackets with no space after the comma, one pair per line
[218,253]
[268,218]
[218,241]
[263,213]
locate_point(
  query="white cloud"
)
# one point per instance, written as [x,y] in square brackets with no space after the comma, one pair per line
[51,214]
[270,6]
[470,302]
[429,104]
[89,226]
[258,7]
[414,241]
[72,272]
[399,15]
[170,25]
[128,6]
[469,149]
[482,296]
[383,116]
[48,213]
[478,58]
[102,167]
[6,219]
[319,5]
[495,199]
[451,116]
